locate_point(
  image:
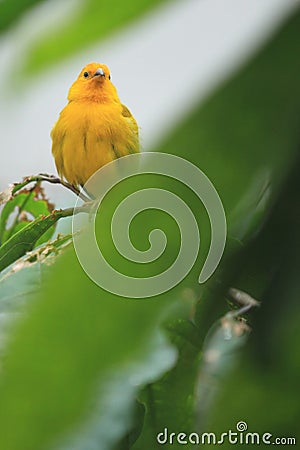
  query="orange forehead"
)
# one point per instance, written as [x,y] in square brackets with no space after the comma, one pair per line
[92,67]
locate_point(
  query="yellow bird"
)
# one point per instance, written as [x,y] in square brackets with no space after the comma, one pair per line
[94,128]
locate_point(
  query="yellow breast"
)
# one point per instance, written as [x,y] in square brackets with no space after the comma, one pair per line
[90,135]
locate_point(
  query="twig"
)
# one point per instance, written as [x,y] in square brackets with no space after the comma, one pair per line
[21,208]
[242,299]
[85,208]
[220,347]
[50,179]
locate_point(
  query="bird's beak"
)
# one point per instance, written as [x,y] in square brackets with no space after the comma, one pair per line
[99,73]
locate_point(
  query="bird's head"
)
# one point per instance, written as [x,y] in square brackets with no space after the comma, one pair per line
[93,84]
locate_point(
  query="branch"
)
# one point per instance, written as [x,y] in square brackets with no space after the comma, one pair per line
[242,299]
[85,208]
[50,179]
[25,239]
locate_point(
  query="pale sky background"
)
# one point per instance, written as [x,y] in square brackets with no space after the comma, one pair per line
[161,65]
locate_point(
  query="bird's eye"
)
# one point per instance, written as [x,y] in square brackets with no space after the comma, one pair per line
[109,77]
[86,74]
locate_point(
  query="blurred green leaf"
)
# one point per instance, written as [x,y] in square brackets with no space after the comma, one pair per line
[92,22]
[114,411]
[79,340]
[246,135]
[246,142]
[170,401]
[263,389]
[134,432]
[24,278]
[220,351]
[17,285]
[11,11]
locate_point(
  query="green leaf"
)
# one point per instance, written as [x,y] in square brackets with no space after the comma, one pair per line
[25,239]
[73,36]
[11,11]
[114,412]
[220,355]
[81,354]
[262,389]
[133,432]
[19,211]
[170,401]
[242,137]
[24,278]
[17,285]
[246,142]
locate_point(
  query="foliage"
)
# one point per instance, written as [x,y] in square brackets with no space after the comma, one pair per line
[26,221]
[84,369]
[91,21]
[13,10]
[17,211]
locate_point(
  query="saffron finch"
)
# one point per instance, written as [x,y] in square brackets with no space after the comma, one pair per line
[94,128]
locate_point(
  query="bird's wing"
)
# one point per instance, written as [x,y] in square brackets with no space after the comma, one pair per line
[135,147]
